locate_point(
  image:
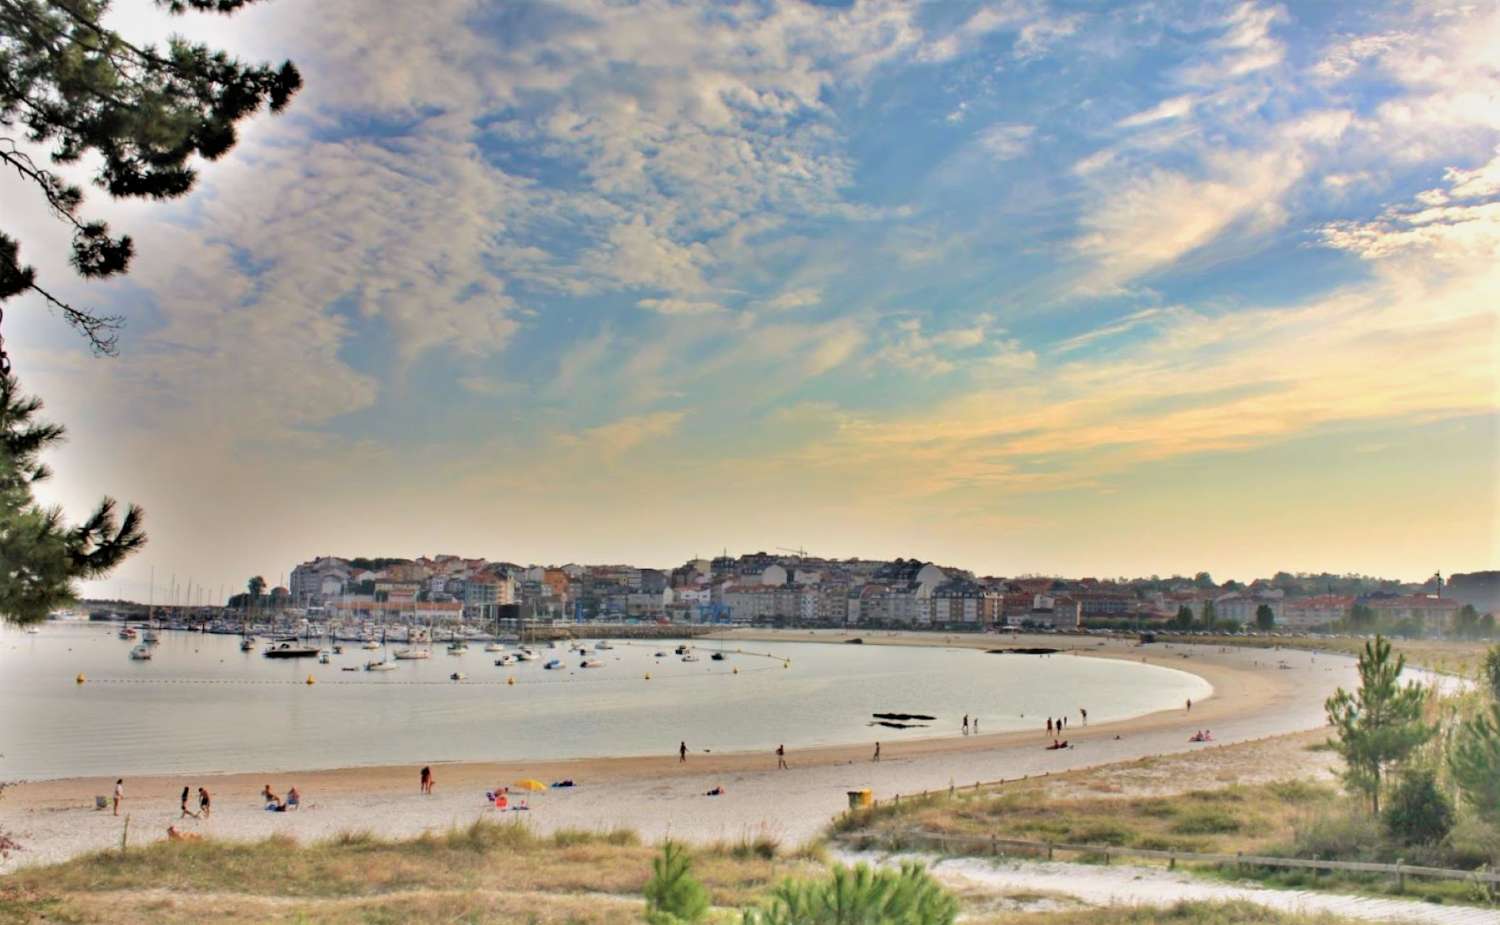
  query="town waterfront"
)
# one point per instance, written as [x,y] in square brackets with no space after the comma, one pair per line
[202,705]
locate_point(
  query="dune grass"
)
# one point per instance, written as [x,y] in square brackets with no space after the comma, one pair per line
[466,873]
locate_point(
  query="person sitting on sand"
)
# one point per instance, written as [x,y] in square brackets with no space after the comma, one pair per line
[273,802]
[716,792]
[293,798]
[174,835]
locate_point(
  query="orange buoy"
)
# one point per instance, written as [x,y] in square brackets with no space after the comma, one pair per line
[80,679]
[311,680]
[510,681]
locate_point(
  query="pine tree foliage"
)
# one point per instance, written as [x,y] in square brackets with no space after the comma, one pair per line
[673,894]
[1490,673]
[70,86]
[1475,762]
[40,555]
[860,896]
[1381,724]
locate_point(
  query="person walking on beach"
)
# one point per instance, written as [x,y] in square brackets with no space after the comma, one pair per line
[976,725]
[1049,726]
[966,724]
[1085,714]
[187,792]
[203,803]
[681,752]
[781,758]
[1190,705]
[426,779]
[119,794]
[877,753]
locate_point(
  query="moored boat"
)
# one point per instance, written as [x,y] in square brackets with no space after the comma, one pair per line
[290,650]
[141,653]
[553,665]
[382,665]
[494,647]
[407,655]
[591,663]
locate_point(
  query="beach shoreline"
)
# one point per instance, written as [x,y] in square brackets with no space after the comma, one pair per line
[660,795]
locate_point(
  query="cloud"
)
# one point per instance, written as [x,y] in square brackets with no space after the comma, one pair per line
[679,306]
[1174,108]
[1005,142]
[793,299]
[618,437]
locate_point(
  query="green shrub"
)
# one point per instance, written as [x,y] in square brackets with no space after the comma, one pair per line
[1102,833]
[1338,835]
[1207,821]
[1418,812]
[673,894]
[860,895]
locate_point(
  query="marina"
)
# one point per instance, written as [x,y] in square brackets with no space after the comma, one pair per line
[202,705]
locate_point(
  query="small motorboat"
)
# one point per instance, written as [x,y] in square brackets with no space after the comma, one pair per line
[458,676]
[591,663]
[682,649]
[370,644]
[127,632]
[349,668]
[407,655]
[494,647]
[505,660]
[338,650]
[603,645]
[553,665]
[718,656]
[150,638]
[690,657]
[247,644]
[288,650]
[382,665]
[324,658]
[527,655]
[141,653]
[661,655]
[32,631]
[457,648]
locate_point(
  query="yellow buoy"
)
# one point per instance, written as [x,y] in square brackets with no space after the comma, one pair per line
[736,671]
[510,680]
[311,680]
[80,679]
[648,676]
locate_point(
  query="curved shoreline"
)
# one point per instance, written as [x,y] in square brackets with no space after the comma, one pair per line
[660,795]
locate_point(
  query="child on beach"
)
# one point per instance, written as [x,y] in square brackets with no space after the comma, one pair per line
[119,794]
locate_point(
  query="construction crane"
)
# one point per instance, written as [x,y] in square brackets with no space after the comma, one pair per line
[799,551]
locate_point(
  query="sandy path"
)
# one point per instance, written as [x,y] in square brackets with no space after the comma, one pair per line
[1147,886]
[659,797]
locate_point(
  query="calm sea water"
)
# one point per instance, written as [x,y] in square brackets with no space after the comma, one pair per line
[202,705]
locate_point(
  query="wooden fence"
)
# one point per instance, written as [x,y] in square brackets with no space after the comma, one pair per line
[995,845]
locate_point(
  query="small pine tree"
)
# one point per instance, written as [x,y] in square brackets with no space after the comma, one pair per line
[673,894]
[1419,812]
[1492,671]
[1381,724]
[1475,763]
[860,895]
[40,555]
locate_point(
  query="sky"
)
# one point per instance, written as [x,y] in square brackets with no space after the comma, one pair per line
[1020,287]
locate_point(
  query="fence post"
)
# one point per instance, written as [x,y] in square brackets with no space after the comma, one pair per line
[1049,851]
[994,845]
[1172,861]
[1400,877]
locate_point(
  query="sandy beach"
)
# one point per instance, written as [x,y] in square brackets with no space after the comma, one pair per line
[660,796]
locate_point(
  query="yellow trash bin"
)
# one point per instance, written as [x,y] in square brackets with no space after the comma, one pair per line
[861,799]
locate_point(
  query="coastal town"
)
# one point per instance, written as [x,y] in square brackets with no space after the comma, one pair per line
[796,589]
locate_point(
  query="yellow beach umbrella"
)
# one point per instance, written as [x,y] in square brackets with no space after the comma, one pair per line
[529,783]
